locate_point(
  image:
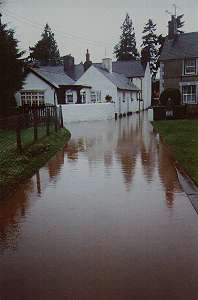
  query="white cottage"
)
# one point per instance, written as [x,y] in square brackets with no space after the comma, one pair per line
[50,85]
[136,73]
[107,85]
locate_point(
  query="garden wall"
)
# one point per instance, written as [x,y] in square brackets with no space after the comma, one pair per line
[88,112]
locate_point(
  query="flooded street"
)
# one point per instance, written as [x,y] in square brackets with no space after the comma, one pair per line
[105,219]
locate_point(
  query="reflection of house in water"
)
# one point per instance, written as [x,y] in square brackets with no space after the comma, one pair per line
[11,212]
[127,150]
[54,165]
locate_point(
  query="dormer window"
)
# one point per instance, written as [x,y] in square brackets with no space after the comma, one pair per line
[190,67]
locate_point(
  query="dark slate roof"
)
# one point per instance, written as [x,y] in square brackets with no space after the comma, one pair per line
[54,74]
[132,68]
[121,81]
[185,45]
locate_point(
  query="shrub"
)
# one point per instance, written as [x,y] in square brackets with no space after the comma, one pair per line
[173,94]
[108,98]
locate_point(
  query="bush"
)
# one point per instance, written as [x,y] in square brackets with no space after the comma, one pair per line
[108,98]
[173,94]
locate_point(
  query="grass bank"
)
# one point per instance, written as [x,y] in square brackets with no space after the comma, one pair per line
[14,167]
[182,137]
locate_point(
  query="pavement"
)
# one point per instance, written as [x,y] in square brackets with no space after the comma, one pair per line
[189,187]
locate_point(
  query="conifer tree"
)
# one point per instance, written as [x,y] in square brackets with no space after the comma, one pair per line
[180,23]
[150,46]
[11,68]
[126,48]
[46,50]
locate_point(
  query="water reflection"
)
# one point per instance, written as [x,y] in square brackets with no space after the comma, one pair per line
[130,143]
[98,216]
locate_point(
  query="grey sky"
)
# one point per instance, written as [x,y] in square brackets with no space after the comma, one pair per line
[82,24]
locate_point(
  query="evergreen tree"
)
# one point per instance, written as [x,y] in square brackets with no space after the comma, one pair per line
[126,48]
[150,46]
[180,23]
[11,68]
[46,50]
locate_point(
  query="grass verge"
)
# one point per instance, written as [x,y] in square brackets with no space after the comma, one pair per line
[15,168]
[182,137]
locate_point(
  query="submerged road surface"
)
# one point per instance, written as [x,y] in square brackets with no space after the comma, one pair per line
[105,219]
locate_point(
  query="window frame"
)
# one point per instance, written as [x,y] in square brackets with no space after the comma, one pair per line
[186,65]
[69,93]
[32,97]
[189,95]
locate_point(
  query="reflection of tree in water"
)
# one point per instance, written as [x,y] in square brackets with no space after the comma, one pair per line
[168,175]
[11,212]
[13,209]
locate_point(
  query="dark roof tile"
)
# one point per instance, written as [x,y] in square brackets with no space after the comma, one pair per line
[183,46]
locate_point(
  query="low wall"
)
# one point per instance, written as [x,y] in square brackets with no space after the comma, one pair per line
[88,112]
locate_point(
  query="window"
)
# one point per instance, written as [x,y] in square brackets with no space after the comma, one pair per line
[189,94]
[124,97]
[131,95]
[95,96]
[190,67]
[130,81]
[69,97]
[32,97]
[83,97]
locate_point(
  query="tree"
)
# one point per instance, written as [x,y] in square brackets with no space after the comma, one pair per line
[11,68]
[46,50]
[150,46]
[180,23]
[126,48]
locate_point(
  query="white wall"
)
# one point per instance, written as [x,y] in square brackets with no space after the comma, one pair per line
[88,112]
[146,84]
[32,82]
[94,78]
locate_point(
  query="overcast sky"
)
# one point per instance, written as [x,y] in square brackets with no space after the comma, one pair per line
[82,24]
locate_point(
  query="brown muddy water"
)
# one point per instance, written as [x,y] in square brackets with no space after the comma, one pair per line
[105,219]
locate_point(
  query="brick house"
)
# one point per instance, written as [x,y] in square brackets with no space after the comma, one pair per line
[179,63]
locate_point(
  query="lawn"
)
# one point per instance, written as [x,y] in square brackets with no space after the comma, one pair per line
[182,136]
[15,167]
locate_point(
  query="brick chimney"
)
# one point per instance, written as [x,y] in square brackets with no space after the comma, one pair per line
[107,64]
[88,62]
[68,61]
[172,28]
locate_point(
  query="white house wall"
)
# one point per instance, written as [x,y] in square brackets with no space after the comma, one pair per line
[88,112]
[127,104]
[94,78]
[33,82]
[146,91]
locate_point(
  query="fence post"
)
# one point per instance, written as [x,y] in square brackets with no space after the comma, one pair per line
[61,116]
[48,122]
[18,135]
[35,127]
[56,120]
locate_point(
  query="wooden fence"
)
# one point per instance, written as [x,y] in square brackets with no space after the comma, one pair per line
[47,116]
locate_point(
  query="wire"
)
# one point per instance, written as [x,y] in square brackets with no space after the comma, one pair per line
[59,32]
